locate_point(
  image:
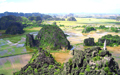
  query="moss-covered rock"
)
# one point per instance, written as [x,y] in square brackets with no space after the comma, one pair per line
[14,28]
[30,41]
[91,61]
[52,37]
[87,62]
[42,62]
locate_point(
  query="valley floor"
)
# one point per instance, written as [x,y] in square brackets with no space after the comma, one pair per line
[8,65]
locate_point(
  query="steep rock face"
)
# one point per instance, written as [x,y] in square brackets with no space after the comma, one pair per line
[30,41]
[94,61]
[52,37]
[71,19]
[89,42]
[14,28]
[42,62]
[91,61]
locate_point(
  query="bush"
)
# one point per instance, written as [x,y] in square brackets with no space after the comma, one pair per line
[114,29]
[88,29]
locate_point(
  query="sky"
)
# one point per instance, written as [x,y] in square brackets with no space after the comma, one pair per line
[60,6]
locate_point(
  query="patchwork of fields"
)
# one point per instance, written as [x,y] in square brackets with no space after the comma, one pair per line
[76,38]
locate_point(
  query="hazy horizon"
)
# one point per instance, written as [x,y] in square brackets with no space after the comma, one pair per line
[61,6]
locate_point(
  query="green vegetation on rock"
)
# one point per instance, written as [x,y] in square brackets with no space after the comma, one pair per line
[14,28]
[110,40]
[50,37]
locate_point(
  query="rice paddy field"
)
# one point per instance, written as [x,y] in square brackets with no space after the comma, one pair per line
[87,21]
[14,54]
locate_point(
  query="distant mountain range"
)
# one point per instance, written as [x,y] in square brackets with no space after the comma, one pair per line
[65,15]
[21,14]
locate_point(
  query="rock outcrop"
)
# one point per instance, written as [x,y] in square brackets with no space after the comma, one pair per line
[94,61]
[42,62]
[14,28]
[91,61]
[30,41]
[89,42]
[50,37]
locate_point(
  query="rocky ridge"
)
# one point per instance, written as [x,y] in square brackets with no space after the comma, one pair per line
[91,61]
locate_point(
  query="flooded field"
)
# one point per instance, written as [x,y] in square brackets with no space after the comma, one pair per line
[14,63]
[8,65]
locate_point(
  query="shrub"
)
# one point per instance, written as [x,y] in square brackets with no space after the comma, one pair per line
[70,61]
[88,29]
[50,66]
[88,68]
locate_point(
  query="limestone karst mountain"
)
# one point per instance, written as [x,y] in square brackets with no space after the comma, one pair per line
[42,62]
[49,37]
[91,61]
[14,28]
[5,21]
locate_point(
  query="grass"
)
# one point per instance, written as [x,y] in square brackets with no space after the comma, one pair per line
[6,72]
[16,54]
[7,64]
[18,37]
[17,51]
[2,31]
[17,61]
[83,21]
[3,47]
[79,44]
[30,29]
